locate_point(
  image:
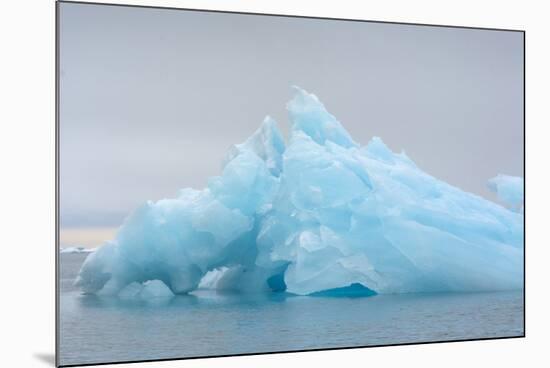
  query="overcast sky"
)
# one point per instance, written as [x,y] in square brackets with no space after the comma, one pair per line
[151,99]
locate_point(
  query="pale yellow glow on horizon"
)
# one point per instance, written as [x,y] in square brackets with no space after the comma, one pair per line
[89,237]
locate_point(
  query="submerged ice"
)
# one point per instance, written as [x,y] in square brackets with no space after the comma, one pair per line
[318,215]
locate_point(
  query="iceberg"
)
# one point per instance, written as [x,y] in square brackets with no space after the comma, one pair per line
[509,189]
[148,290]
[317,215]
[76,250]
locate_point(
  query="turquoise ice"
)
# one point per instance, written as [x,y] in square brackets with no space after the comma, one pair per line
[509,189]
[320,214]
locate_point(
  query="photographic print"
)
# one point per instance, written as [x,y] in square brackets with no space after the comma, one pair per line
[234,183]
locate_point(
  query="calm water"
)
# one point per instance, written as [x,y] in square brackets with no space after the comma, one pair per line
[95,329]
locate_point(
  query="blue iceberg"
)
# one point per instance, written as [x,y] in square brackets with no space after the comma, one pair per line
[509,189]
[320,215]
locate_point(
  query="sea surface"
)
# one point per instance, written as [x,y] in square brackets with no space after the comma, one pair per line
[99,329]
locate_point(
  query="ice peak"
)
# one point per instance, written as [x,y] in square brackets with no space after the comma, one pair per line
[266,142]
[378,150]
[307,114]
